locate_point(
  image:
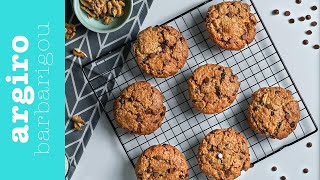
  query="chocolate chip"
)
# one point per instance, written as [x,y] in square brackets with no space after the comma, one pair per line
[218,93]
[305,170]
[233,79]
[274,168]
[277,92]
[162,113]
[313,8]
[314,23]
[139,119]
[283,178]
[309,32]
[292,125]
[122,101]
[223,75]
[157,157]
[302,18]
[149,169]
[287,13]
[272,113]
[152,55]
[251,165]
[206,80]
[220,68]
[155,174]
[231,40]
[244,36]
[308,17]
[148,111]
[256,108]
[309,145]
[298,1]
[163,46]
[305,42]
[316,46]
[214,148]
[166,62]
[275,12]
[145,59]
[229,14]
[291,21]
[181,176]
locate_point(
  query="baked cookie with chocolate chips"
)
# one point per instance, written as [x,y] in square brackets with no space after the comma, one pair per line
[162,162]
[273,112]
[223,154]
[139,109]
[231,25]
[212,88]
[160,51]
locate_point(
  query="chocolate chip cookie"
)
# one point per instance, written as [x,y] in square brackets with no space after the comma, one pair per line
[273,112]
[160,51]
[223,154]
[139,109]
[212,88]
[231,25]
[162,162]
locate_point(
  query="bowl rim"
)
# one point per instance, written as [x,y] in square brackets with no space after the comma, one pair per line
[97,30]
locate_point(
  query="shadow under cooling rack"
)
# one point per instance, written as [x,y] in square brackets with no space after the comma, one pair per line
[258,65]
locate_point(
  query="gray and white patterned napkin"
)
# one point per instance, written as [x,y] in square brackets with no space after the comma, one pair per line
[79,96]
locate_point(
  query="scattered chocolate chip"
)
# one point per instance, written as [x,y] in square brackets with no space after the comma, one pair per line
[298,1]
[314,23]
[206,80]
[302,18]
[229,14]
[163,46]
[313,8]
[305,42]
[291,21]
[148,111]
[162,113]
[292,125]
[283,178]
[274,168]
[272,113]
[277,92]
[287,13]
[251,165]
[309,145]
[181,176]
[305,170]
[308,32]
[152,55]
[220,68]
[308,17]
[316,46]
[223,75]
[145,59]
[218,93]
[275,12]
[256,108]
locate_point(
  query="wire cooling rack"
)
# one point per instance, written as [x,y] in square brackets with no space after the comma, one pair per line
[258,65]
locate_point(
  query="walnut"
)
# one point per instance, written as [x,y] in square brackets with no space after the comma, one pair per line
[103,9]
[78,122]
[107,19]
[70,30]
[77,52]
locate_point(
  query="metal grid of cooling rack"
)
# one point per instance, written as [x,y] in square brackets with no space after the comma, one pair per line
[258,65]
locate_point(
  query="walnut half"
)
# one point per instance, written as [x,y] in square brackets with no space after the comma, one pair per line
[77,52]
[78,122]
[70,30]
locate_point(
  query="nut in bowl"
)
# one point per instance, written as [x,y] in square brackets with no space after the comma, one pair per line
[103,16]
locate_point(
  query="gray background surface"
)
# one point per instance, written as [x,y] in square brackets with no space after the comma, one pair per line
[105,158]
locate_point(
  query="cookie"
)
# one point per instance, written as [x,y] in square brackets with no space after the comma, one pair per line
[162,162]
[212,88]
[273,112]
[139,109]
[231,25]
[223,154]
[160,51]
